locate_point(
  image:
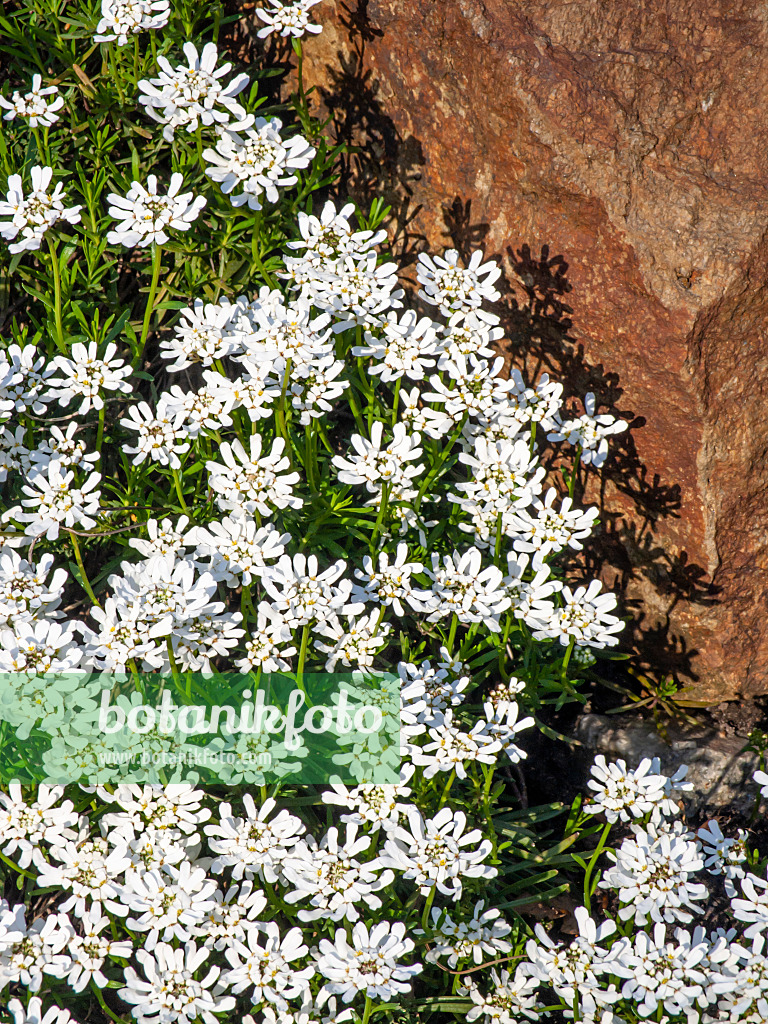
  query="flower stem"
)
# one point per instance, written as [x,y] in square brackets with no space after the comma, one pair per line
[84,578]
[177,482]
[100,432]
[591,866]
[59,335]
[367,1010]
[302,656]
[157,258]
[566,659]
[428,907]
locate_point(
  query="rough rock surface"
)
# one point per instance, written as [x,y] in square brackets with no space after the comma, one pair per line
[614,155]
[720,771]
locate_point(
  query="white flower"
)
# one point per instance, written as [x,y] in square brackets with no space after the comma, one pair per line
[34,105]
[171,903]
[24,593]
[453,288]
[207,408]
[375,463]
[123,634]
[314,386]
[304,594]
[509,998]
[584,617]
[39,211]
[23,826]
[332,876]
[467,334]
[85,375]
[64,448]
[372,805]
[652,875]
[123,18]
[33,1013]
[573,971]
[200,337]
[549,531]
[369,965]
[269,643]
[407,346]
[671,975]
[259,160]
[164,538]
[504,474]
[290,19]
[54,503]
[502,725]
[450,748]
[267,971]
[171,992]
[622,793]
[160,435]
[90,950]
[87,868]
[723,856]
[754,906]
[436,852]
[24,380]
[355,642]
[145,213]
[390,584]
[461,587]
[329,236]
[238,547]
[590,432]
[475,940]
[477,386]
[761,778]
[251,482]
[357,291]
[30,953]
[252,845]
[193,94]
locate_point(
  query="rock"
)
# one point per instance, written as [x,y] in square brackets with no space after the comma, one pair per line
[721,774]
[613,156]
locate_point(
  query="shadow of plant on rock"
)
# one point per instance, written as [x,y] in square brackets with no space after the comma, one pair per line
[379,161]
[538,308]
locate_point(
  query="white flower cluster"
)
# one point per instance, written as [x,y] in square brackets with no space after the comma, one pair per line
[34,105]
[33,215]
[121,19]
[192,94]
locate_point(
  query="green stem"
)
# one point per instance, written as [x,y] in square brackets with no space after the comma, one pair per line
[100,432]
[157,258]
[103,1005]
[591,866]
[367,1010]
[383,506]
[566,659]
[84,578]
[177,482]
[174,667]
[452,633]
[574,472]
[302,656]
[396,400]
[428,907]
[59,336]
[447,789]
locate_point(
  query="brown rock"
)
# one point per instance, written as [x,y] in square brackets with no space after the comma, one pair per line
[613,154]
